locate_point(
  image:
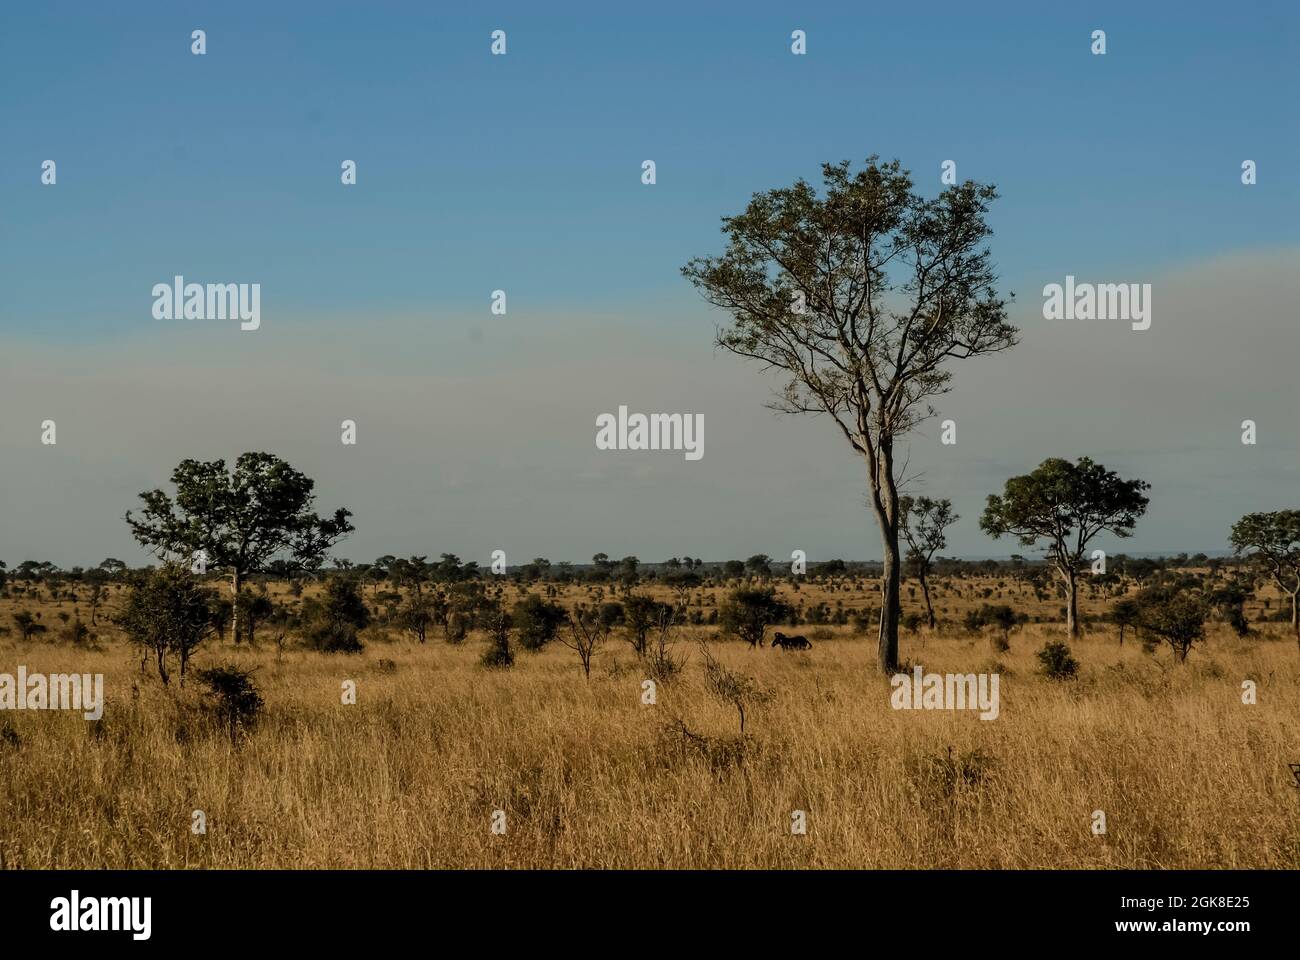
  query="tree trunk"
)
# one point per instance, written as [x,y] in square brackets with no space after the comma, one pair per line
[234,605]
[925,592]
[884,501]
[1295,616]
[1072,603]
[887,651]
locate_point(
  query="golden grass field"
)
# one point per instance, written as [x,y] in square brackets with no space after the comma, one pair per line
[588,776]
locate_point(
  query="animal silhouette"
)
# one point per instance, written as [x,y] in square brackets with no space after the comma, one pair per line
[790,643]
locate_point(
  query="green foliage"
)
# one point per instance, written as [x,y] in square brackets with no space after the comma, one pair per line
[238,519]
[28,624]
[166,613]
[1230,601]
[498,655]
[612,614]
[1124,614]
[1175,613]
[641,615]
[537,621]
[1066,504]
[334,621]
[1272,541]
[1057,661]
[999,615]
[234,696]
[747,613]
[923,522]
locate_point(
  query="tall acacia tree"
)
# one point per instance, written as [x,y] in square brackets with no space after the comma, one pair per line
[1066,504]
[861,296]
[924,522]
[1273,541]
[238,520]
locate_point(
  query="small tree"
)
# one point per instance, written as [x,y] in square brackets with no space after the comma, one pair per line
[166,612]
[746,613]
[1125,613]
[1175,615]
[538,621]
[335,620]
[417,614]
[641,614]
[1272,541]
[27,624]
[923,522]
[586,634]
[1066,504]
[660,660]
[498,654]
[731,687]
[258,607]
[1230,601]
[95,598]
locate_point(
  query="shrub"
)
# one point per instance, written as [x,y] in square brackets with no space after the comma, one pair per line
[334,621]
[234,696]
[641,615]
[328,637]
[611,614]
[537,621]
[731,687]
[27,625]
[457,627]
[1058,663]
[747,613]
[498,655]
[76,633]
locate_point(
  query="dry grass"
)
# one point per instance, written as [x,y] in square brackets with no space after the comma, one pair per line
[588,776]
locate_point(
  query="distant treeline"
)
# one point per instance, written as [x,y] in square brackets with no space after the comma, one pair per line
[676,571]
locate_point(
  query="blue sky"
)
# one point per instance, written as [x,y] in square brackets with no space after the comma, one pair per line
[522,172]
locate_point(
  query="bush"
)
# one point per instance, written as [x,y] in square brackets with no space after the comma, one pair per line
[334,621]
[746,614]
[641,615]
[1058,663]
[75,633]
[27,624]
[498,655]
[538,621]
[234,696]
[611,614]
[327,637]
